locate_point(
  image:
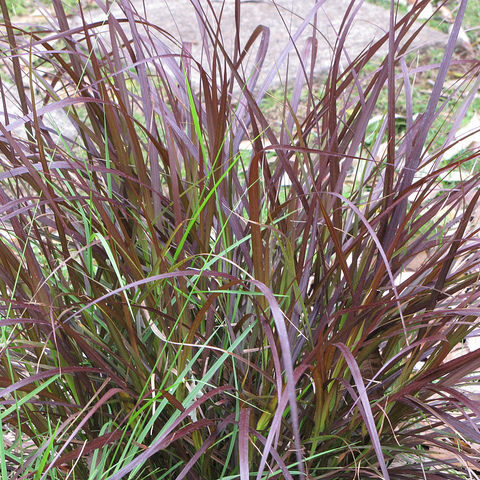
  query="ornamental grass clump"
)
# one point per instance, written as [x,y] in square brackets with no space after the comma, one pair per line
[190,292]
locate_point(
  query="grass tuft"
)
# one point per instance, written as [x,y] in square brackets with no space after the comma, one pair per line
[189,290]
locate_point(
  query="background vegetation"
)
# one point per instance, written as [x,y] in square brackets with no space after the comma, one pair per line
[190,293]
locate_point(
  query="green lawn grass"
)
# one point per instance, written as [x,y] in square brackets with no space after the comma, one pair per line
[471,23]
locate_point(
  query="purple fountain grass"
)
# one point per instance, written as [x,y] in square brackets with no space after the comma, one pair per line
[176,304]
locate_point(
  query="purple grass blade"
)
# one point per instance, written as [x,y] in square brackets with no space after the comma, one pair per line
[56,460]
[369,420]
[426,123]
[167,437]
[243,427]
[42,375]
